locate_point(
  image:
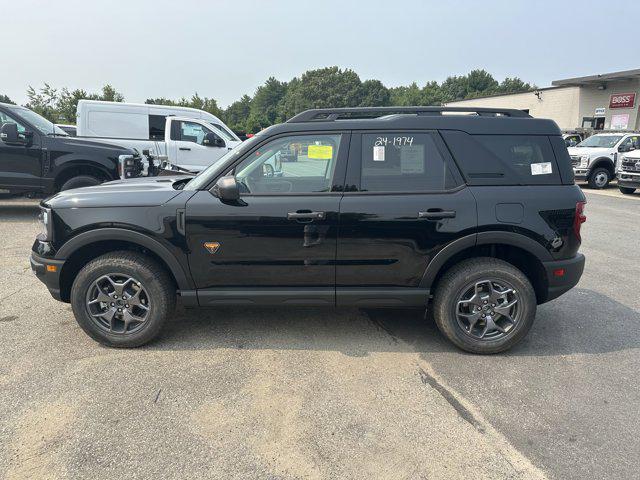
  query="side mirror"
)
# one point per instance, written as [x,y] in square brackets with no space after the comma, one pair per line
[9,133]
[226,189]
[212,140]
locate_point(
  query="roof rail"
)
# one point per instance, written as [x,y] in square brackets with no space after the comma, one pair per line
[332,114]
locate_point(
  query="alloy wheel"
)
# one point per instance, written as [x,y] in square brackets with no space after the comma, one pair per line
[488,309]
[118,303]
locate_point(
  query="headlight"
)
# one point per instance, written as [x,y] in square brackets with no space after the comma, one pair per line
[46,224]
[584,161]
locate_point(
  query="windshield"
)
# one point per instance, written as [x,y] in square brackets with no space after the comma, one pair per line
[205,176]
[43,125]
[604,141]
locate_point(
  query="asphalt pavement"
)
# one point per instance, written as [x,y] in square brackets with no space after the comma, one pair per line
[287,393]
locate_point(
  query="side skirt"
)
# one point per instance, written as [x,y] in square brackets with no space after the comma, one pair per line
[321,296]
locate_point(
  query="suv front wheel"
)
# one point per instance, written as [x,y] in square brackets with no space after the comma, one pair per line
[122,299]
[484,305]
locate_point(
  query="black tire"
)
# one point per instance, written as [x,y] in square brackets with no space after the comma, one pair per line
[153,278]
[627,190]
[463,276]
[597,176]
[79,182]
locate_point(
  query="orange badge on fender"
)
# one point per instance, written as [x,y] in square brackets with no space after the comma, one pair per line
[212,247]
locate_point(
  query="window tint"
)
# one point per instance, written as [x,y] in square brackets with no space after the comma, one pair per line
[295,164]
[156,127]
[402,162]
[528,158]
[193,132]
[504,159]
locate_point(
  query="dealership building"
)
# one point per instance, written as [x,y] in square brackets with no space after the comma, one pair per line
[600,102]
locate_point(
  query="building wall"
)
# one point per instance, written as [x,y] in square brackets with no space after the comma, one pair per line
[566,105]
[592,98]
[560,104]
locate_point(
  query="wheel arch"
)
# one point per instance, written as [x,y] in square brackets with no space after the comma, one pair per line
[521,251]
[88,245]
[605,162]
[81,168]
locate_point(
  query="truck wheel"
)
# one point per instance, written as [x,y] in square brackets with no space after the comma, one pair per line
[599,178]
[627,190]
[484,305]
[80,181]
[122,299]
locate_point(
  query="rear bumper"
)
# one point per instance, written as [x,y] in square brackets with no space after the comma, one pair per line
[559,284]
[49,276]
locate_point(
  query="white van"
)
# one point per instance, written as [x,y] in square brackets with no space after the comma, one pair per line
[181,135]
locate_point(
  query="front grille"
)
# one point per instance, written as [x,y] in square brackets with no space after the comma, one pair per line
[631,165]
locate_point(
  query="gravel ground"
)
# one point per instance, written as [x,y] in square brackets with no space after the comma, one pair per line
[312,393]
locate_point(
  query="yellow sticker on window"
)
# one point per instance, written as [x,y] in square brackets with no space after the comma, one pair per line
[320,152]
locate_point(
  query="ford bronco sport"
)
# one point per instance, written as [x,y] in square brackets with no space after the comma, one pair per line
[471,213]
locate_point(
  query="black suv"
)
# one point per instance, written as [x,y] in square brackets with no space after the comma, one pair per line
[37,156]
[475,216]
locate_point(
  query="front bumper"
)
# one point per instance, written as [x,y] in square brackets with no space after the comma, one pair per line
[559,284]
[628,179]
[48,272]
[581,173]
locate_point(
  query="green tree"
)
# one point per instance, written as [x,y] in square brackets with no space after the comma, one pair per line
[374,94]
[44,102]
[321,88]
[431,94]
[6,99]
[406,96]
[236,114]
[265,105]
[514,85]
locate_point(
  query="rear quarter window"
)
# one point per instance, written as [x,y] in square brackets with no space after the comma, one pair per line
[504,159]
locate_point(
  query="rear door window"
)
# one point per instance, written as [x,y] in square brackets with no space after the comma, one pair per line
[403,162]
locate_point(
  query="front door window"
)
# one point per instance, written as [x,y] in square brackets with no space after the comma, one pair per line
[294,164]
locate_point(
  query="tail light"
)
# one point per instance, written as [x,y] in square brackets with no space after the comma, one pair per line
[579,218]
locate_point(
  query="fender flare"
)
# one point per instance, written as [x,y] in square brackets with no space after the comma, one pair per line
[182,278]
[599,161]
[483,238]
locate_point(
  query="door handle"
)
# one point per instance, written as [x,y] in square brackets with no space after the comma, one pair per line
[437,214]
[302,215]
[186,149]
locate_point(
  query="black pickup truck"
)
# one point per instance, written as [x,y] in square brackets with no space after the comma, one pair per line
[38,157]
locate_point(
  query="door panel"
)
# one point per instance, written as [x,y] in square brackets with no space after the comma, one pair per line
[388,240]
[260,244]
[20,165]
[405,201]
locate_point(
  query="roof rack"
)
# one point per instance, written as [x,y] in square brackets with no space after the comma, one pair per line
[332,114]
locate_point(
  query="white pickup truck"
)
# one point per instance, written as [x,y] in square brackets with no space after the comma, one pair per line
[185,137]
[595,158]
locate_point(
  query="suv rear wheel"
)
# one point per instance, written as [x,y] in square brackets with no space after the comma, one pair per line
[484,305]
[599,178]
[122,299]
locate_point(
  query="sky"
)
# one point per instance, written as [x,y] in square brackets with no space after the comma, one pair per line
[224,49]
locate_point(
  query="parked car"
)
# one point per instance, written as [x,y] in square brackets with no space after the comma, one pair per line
[475,217]
[177,134]
[38,157]
[629,172]
[594,159]
[70,130]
